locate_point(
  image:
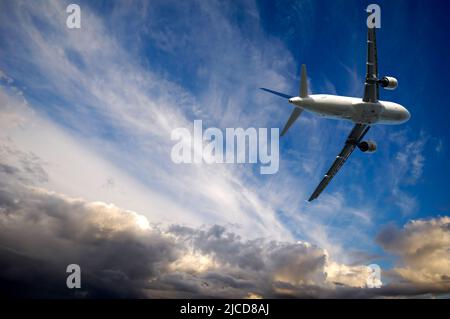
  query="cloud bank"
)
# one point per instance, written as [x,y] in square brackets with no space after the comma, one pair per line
[121,255]
[124,255]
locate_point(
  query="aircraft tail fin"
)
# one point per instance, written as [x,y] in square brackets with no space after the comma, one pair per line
[303,83]
[303,92]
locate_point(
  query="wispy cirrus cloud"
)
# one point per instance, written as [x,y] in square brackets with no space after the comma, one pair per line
[405,169]
[110,102]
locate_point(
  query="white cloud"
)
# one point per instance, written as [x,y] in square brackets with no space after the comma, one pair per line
[402,167]
[63,164]
[439,145]
[423,248]
[411,160]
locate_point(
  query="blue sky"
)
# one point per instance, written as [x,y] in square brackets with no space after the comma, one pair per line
[106,97]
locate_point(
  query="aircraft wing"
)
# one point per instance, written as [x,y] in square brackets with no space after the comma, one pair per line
[371,89]
[356,135]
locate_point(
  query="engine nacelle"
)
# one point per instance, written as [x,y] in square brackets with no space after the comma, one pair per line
[389,82]
[367,146]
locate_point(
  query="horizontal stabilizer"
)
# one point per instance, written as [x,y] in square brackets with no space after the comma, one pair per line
[277,93]
[294,116]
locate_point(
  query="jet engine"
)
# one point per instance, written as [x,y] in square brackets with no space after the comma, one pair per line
[389,82]
[367,146]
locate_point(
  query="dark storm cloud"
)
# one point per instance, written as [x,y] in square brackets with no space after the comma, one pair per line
[122,256]
[45,232]
[42,232]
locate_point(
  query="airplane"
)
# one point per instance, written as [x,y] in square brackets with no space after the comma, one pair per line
[363,112]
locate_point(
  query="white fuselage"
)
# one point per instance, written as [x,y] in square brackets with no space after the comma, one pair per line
[353,109]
